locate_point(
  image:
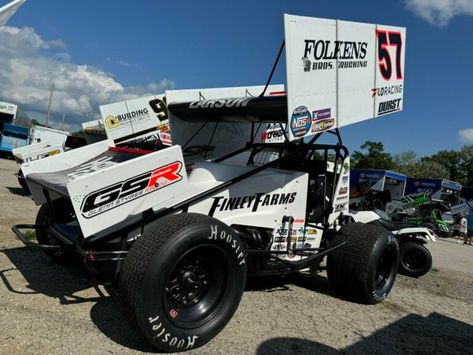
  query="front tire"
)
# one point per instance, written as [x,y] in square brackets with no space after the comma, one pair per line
[365,268]
[415,259]
[182,280]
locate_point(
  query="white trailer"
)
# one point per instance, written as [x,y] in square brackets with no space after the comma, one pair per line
[40,134]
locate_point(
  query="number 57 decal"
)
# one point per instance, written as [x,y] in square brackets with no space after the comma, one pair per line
[387,39]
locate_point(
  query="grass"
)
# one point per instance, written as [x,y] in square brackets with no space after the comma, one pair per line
[30,235]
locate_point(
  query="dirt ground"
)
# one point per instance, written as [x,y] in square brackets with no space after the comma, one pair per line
[48,308]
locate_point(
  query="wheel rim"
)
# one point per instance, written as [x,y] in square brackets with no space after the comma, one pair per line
[413,259]
[384,268]
[195,288]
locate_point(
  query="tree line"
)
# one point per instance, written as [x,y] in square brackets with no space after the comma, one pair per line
[445,164]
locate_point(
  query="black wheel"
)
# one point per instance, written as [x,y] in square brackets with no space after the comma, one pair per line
[415,259]
[182,280]
[60,214]
[365,268]
[22,182]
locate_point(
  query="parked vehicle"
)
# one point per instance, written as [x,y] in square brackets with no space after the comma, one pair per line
[415,259]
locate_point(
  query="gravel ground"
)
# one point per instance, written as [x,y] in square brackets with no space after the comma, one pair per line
[48,308]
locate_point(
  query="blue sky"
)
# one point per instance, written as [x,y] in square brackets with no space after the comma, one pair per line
[104,51]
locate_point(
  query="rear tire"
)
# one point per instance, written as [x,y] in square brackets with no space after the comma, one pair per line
[365,268]
[415,259]
[62,255]
[182,280]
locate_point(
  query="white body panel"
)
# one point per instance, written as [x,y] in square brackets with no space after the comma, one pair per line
[9,10]
[371,216]
[261,200]
[18,152]
[337,75]
[132,187]
[64,161]
[36,151]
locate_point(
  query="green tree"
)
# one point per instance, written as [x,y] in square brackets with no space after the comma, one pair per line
[374,157]
[451,161]
[423,169]
[405,158]
[466,165]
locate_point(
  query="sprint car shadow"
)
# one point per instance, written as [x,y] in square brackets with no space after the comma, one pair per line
[47,277]
[65,282]
[17,191]
[316,283]
[413,334]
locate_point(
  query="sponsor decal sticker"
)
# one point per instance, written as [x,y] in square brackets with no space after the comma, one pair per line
[327,55]
[160,332]
[386,90]
[323,125]
[215,234]
[389,106]
[118,194]
[343,190]
[173,313]
[340,207]
[112,122]
[344,180]
[270,136]
[254,202]
[219,103]
[159,108]
[301,121]
[127,118]
[92,166]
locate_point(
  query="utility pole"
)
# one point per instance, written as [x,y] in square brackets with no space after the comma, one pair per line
[51,90]
[63,117]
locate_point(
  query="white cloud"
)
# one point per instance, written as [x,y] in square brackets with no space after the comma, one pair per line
[466,135]
[440,12]
[29,65]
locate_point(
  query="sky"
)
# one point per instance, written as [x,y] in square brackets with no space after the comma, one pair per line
[99,52]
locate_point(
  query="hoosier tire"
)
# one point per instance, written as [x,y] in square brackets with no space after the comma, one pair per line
[182,280]
[365,268]
[415,259]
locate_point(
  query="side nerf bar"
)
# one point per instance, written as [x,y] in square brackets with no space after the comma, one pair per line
[17,230]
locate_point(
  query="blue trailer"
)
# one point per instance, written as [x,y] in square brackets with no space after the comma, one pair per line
[467,193]
[381,186]
[13,136]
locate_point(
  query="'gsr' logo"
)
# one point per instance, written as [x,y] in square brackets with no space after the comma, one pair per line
[122,192]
